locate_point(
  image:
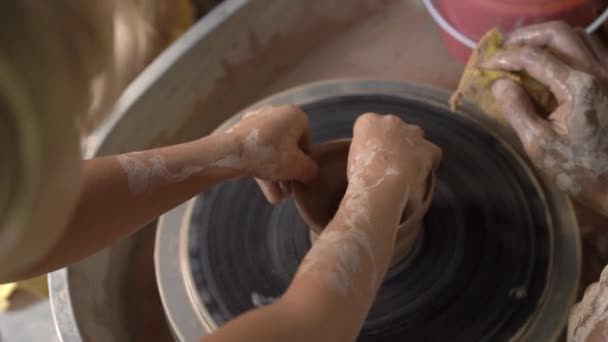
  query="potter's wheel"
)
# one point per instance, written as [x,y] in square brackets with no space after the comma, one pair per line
[484,269]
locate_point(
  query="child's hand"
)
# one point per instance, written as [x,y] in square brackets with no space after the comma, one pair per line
[272,144]
[391,155]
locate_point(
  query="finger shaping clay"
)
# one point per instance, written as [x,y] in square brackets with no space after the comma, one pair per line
[318,201]
[476,82]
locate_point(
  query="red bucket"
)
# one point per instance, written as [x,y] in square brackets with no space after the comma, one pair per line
[463,22]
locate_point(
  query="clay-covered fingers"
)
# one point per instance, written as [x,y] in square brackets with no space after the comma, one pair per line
[395,144]
[561,40]
[519,111]
[569,146]
[297,163]
[373,124]
[279,139]
[587,318]
[272,142]
[539,63]
[306,169]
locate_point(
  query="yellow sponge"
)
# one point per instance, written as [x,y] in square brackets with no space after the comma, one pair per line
[475,84]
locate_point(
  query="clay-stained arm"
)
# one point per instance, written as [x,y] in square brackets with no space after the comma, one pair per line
[589,318]
[571,147]
[122,193]
[337,281]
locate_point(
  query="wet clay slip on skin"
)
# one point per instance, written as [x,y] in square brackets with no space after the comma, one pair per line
[318,201]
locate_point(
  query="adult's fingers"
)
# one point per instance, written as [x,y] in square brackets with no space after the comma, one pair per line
[272,191]
[560,39]
[518,110]
[537,62]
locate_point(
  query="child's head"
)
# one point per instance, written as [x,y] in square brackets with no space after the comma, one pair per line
[60,62]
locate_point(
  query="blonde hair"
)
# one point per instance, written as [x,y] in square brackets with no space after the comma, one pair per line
[62,65]
[141,30]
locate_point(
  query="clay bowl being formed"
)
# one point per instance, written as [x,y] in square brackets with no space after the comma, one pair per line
[318,201]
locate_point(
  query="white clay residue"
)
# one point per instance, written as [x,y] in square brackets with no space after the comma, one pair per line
[549,162]
[584,150]
[348,245]
[255,154]
[259,300]
[244,116]
[230,161]
[251,150]
[357,199]
[254,150]
[141,171]
[590,312]
[344,248]
[254,112]
[578,87]
[565,182]
[575,157]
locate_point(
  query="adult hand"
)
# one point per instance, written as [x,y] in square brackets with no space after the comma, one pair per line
[385,151]
[587,321]
[272,143]
[571,146]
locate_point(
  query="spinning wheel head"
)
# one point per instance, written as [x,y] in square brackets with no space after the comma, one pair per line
[498,253]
